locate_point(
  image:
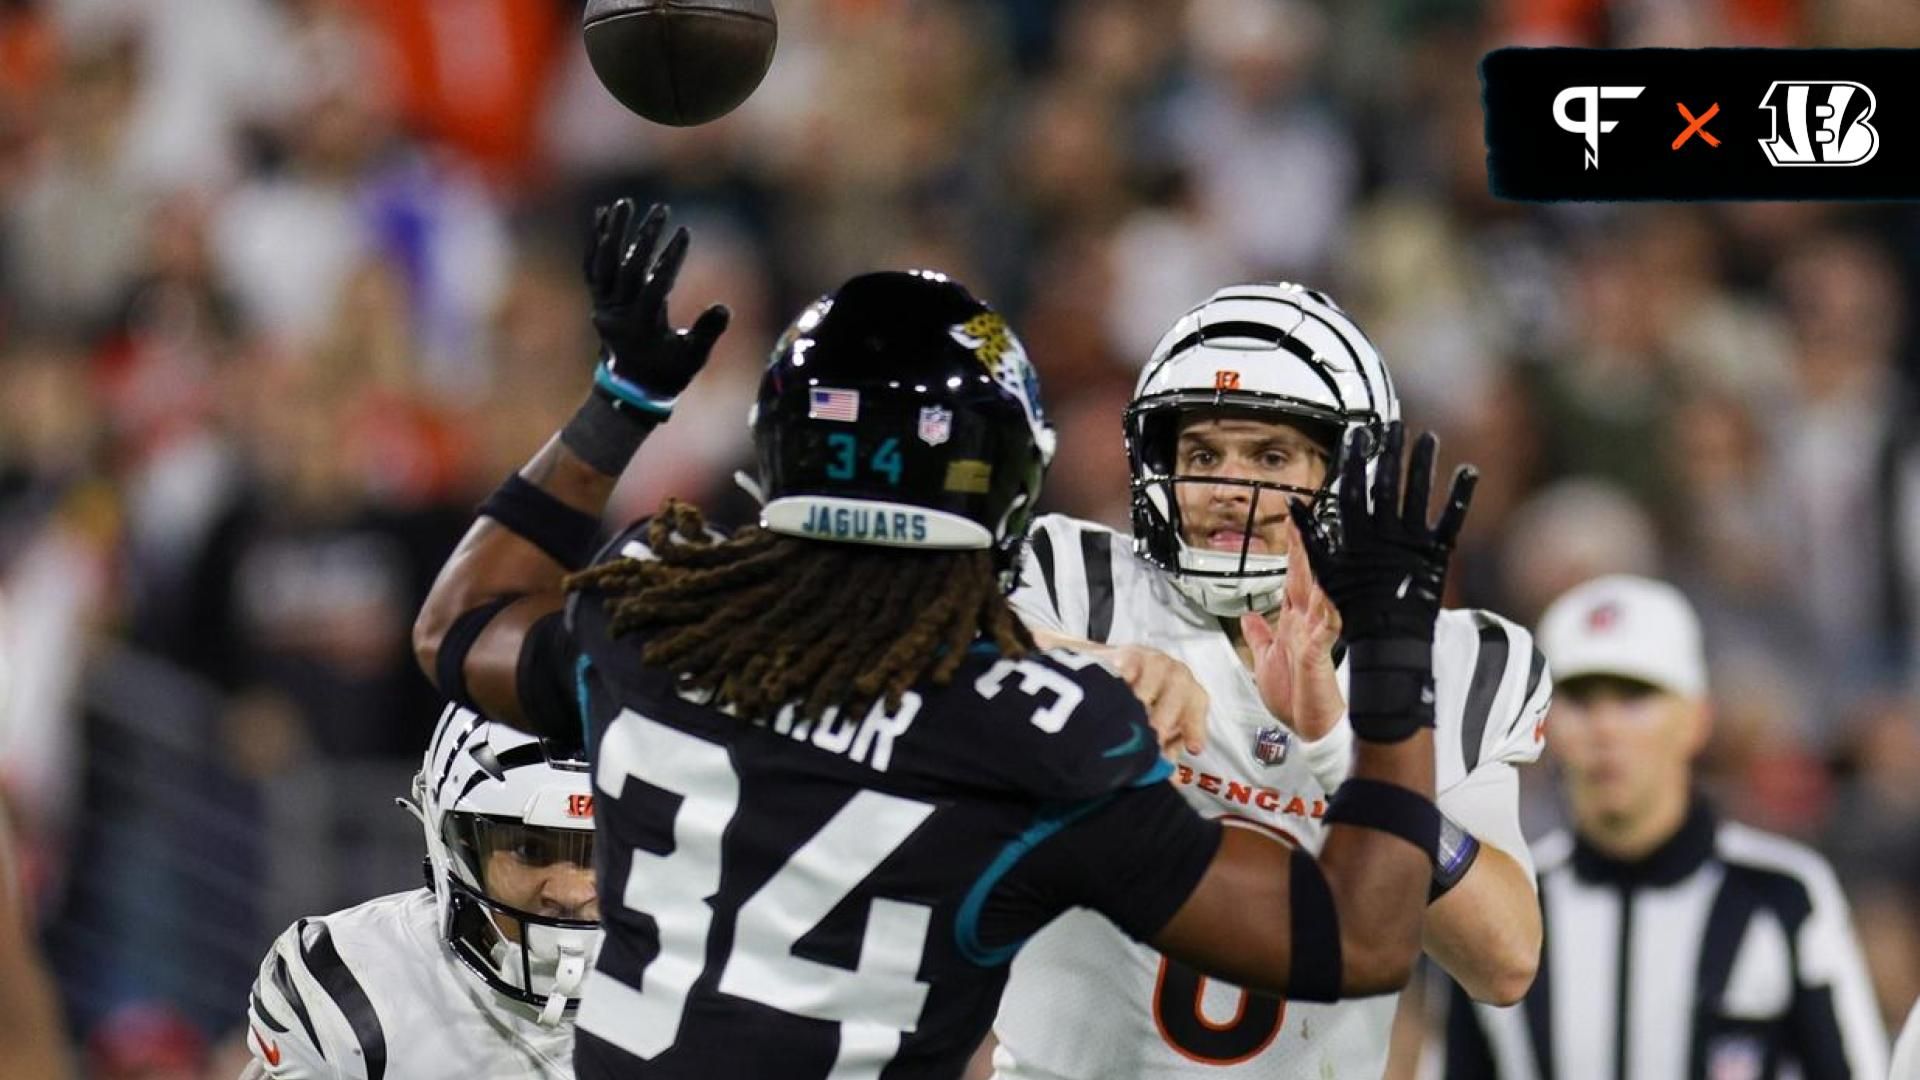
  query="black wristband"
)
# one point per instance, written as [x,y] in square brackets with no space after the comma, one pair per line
[1453,856]
[1391,682]
[568,536]
[1313,971]
[450,663]
[606,434]
[1390,808]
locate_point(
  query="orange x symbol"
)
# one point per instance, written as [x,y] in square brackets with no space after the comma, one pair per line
[1698,124]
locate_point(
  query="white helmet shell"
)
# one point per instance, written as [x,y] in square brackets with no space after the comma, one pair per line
[482,784]
[1275,350]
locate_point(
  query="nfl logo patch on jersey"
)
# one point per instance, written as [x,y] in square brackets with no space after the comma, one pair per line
[936,425]
[1270,744]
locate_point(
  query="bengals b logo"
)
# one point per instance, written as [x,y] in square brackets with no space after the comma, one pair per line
[1820,123]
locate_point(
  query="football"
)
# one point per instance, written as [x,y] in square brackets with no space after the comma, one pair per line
[680,62]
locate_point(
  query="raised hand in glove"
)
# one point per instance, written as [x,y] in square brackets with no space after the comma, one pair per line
[1386,576]
[645,362]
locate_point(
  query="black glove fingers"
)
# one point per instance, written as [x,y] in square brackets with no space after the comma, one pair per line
[707,329]
[1459,497]
[1386,473]
[1419,483]
[666,270]
[620,224]
[638,254]
[610,232]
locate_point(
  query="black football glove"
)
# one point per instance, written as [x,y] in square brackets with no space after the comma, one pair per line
[1386,576]
[645,362]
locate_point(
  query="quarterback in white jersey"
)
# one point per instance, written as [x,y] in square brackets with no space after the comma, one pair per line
[477,976]
[1236,414]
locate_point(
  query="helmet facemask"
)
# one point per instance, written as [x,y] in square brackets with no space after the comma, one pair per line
[1229,581]
[537,959]
[499,811]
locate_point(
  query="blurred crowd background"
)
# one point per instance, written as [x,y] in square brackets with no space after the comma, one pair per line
[289,285]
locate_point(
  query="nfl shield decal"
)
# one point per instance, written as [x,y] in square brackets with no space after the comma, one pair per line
[936,425]
[1270,744]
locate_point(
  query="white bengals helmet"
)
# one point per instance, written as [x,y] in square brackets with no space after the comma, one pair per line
[1274,351]
[487,790]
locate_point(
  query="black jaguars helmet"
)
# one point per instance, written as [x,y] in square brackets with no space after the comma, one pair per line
[901,411]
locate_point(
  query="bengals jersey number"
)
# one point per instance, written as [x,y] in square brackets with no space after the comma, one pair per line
[1179,1013]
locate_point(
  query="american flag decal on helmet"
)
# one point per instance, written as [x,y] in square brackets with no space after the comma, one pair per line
[826,403]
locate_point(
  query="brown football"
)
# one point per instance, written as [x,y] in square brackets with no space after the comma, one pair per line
[680,62]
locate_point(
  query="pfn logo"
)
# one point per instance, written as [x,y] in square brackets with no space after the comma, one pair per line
[579,806]
[1589,125]
[1825,123]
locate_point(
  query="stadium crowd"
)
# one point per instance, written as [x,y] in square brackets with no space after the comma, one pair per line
[289,285]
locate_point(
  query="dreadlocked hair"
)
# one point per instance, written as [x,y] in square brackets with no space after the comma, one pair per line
[763,620]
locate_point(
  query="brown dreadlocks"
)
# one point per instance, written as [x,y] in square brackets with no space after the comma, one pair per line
[763,620]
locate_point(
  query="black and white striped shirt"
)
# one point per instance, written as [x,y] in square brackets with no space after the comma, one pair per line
[1727,953]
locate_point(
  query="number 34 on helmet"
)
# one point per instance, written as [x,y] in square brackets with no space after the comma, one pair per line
[901,411]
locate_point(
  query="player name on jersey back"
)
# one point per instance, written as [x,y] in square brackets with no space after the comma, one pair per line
[867,741]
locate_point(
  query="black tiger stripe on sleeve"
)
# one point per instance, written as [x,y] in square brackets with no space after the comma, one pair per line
[283,983]
[333,975]
[260,1010]
[1489,669]
[1535,670]
[1042,545]
[1536,676]
[1096,552]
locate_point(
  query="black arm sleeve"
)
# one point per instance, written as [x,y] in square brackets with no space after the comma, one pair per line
[1134,856]
[544,681]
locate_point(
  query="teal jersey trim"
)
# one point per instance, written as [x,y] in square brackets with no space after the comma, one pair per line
[580,669]
[966,926]
[1162,768]
[1134,742]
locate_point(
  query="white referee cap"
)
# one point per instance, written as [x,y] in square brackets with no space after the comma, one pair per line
[1626,626]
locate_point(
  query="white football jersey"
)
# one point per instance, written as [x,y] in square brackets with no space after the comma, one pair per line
[372,992]
[1083,1000]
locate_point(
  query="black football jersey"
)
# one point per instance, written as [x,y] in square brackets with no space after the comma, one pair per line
[840,899]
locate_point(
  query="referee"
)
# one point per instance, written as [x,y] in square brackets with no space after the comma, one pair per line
[1677,944]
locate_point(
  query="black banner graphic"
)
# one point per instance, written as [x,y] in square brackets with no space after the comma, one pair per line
[1604,124]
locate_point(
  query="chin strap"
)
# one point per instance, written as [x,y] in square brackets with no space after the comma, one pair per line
[568,976]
